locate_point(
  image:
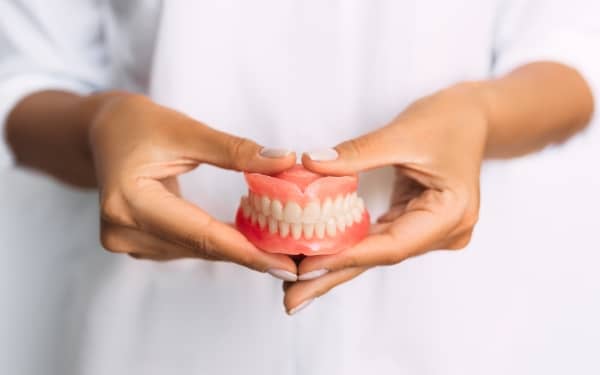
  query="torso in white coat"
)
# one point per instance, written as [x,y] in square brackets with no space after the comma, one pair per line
[522,299]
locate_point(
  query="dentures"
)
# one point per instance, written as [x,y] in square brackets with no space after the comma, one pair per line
[301,212]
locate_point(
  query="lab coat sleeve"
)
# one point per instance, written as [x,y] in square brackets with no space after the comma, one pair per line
[563,31]
[54,44]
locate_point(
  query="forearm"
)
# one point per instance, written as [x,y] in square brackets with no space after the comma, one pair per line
[534,106]
[48,131]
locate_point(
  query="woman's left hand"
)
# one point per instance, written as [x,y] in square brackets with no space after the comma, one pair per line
[437,147]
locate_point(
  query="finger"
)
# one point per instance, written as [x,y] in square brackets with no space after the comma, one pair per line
[412,234]
[230,152]
[372,150]
[121,239]
[170,218]
[301,293]
[156,258]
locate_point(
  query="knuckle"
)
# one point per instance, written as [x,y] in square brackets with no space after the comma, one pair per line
[355,147]
[112,241]
[239,151]
[113,209]
[350,261]
[462,242]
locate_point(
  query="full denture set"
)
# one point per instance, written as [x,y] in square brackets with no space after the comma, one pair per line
[301,212]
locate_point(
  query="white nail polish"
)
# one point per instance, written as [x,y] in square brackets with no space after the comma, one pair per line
[326,154]
[313,274]
[274,153]
[282,274]
[300,306]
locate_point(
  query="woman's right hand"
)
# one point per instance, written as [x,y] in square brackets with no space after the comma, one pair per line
[139,148]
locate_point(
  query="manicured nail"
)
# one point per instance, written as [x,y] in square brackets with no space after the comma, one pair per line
[313,274]
[300,306]
[282,274]
[274,153]
[326,154]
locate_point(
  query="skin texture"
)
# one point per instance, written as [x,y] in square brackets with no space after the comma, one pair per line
[137,149]
[133,150]
[437,146]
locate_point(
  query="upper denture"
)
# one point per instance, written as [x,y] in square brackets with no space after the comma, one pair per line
[301,204]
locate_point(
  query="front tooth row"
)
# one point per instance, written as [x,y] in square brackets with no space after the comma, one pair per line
[313,221]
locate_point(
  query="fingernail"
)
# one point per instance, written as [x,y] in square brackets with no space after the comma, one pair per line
[282,274]
[300,306]
[274,153]
[313,274]
[326,154]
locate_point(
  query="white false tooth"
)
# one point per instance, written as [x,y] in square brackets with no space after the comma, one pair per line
[277,209]
[256,202]
[346,205]
[262,221]
[341,223]
[292,213]
[253,217]
[246,207]
[360,203]
[326,209]
[312,212]
[308,230]
[357,215]
[272,225]
[349,218]
[320,230]
[284,229]
[265,205]
[296,230]
[338,205]
[330,227]
[353,198]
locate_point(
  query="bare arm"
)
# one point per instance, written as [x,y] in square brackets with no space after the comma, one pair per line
[535,105]
[440,141]
[48,131]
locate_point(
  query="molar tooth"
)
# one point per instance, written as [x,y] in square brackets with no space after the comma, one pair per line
[277,209]
[292,213]
[272,225]
[265,205]
[357,215]
[349,218]
[253,217]
[245,207]
[360,203]
[284,229]
[338,205]
[296,230]
[320,230]
[262,221]
[308,230]
[311,212]
[326,209]
[341,223]
[330,227]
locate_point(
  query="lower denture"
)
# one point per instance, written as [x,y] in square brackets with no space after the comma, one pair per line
[301,212]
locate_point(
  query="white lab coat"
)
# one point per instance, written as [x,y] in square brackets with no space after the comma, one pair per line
[522,299]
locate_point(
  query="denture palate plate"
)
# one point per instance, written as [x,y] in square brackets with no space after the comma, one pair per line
[316,219]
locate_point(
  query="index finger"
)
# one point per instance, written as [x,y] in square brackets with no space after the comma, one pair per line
[413,233]
[171,218]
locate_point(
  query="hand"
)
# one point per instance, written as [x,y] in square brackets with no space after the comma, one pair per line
[436,147]
[139,148]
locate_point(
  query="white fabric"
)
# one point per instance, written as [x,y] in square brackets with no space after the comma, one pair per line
[302,74]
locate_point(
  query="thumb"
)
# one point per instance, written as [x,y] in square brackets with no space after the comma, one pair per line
[231,152]
[369,151]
